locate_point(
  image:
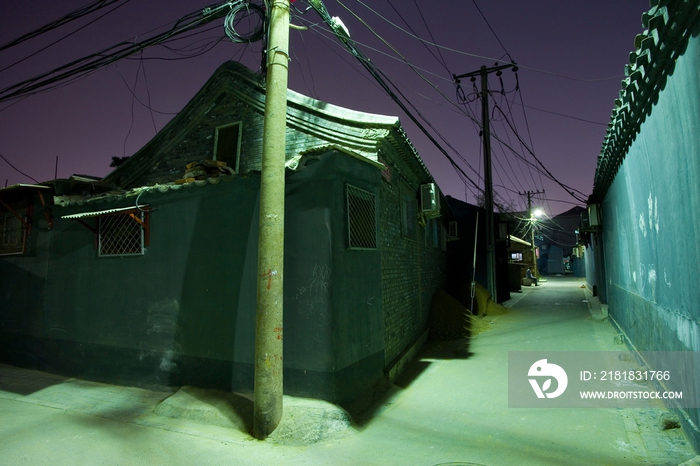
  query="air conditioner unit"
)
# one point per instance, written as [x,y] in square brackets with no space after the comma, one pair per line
[594,215]
[452,231]
[430,200]
[584,226]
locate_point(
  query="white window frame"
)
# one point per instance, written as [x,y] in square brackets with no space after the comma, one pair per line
[237,155]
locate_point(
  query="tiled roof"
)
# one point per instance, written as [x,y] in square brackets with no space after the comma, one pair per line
[668,25]
[121,195]
[358,132]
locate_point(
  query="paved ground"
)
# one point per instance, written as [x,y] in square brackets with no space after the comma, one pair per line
[451,407]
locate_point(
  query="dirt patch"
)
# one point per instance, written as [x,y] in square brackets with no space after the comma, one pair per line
[304,421]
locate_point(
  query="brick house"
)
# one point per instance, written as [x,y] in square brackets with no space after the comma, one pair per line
[153,281]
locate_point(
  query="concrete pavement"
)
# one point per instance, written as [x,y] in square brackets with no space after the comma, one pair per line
[450,407]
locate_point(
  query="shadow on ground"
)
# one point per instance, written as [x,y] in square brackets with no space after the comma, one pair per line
[26,382]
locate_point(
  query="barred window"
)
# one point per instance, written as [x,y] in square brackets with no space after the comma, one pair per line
[121,234]
[13,228]
[362,219]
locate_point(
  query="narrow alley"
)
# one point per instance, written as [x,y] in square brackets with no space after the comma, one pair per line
[450,407]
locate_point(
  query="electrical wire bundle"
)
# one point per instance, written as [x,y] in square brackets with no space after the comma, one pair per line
[88,64]
[248,10]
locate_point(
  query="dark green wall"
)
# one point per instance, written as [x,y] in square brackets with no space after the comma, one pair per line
[184,312]
[336,327]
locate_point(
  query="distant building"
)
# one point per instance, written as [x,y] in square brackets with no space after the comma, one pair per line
[467,251]
[557,240]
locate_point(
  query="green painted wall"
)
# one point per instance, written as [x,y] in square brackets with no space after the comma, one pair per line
[651,219]
[184,312]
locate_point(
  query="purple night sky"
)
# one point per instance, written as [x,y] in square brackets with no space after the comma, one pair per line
[571,58]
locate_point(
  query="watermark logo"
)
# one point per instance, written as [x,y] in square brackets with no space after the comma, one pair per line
[542,369]
[602,379]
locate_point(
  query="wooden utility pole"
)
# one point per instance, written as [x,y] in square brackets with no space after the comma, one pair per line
[488,183]
[488,187]
[268,389]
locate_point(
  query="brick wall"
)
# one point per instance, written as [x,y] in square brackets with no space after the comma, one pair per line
[192,139]
[411,271]
[233,94]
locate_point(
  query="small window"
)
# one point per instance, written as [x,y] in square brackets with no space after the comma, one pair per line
[14,224]
[121,234]
[362,220]
[227,144]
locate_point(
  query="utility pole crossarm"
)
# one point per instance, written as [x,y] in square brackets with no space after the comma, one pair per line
[493,69]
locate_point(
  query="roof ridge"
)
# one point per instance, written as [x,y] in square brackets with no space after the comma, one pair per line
[669,25]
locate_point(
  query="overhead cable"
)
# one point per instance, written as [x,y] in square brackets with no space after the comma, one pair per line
[90,63]
[27,57]
[79,13]
[473,55]
[17,169]
[494,32]
[413,68]
[568,189]
[343,36]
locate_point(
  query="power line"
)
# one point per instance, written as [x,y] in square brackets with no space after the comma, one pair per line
[564,202]
[413,68]
[72,16]
[403,59]
[66,36]
[494,32]
[342,35]
[315,27]
[549,174]
[527,127]
[91,63]
[473,55]
[563,115]
[440,60]
[17,169]
[569,190]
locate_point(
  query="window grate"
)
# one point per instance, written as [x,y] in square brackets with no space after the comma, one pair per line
[121,234]
[362,219]
[13,232]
